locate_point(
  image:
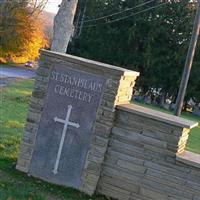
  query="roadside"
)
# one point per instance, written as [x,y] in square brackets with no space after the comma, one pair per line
[10,73]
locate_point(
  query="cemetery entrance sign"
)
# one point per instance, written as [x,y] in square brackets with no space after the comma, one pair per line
[70,118]
[64,133]
[79,134]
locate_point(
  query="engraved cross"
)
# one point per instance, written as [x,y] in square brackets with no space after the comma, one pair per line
[66,123]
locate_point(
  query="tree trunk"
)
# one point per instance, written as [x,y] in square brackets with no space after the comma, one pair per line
[63,25]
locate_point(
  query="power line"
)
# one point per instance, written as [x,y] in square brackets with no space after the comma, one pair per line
[113,14]
[103,10]
[126,17]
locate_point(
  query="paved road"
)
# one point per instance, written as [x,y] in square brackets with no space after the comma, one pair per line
[8,73]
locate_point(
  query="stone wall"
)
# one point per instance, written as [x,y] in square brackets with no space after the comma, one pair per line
[141,159]
[134,151]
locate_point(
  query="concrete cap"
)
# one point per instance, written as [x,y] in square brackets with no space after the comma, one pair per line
[189,158]
[87,62]
[159,116]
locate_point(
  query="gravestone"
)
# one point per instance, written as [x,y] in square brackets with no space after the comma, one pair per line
[196,110]
[70,118]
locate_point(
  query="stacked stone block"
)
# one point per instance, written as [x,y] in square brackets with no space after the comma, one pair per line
[33,118]
[140,163]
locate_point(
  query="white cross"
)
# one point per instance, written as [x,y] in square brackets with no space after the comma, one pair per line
[66,123]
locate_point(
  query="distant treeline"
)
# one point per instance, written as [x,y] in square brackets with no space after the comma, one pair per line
[21,30]
[140,35]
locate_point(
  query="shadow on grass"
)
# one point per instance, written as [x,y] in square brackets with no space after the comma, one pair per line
[20,186]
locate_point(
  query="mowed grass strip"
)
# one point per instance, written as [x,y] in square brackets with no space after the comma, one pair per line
[193,144]
[14,185]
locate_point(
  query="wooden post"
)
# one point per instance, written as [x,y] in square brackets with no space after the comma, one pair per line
[63,25]
[188,63]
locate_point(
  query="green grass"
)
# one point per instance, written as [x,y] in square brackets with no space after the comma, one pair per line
[193,144]
[15,185]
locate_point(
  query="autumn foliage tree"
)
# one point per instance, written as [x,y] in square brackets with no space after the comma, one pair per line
[21,31]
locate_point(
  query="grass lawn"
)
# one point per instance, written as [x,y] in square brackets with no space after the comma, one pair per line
[194,137]
[15,185]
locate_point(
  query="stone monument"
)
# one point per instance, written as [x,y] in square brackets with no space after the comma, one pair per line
[70,117]
[78,134]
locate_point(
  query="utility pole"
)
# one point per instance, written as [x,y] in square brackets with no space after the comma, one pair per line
[80,18]
[188,62]
[63,25]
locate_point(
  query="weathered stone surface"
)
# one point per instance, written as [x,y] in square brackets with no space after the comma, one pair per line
[159,116]
[123,184]
[80,92]
[155,195]
[189,158]
[102,130]
[113,72]
[142,151]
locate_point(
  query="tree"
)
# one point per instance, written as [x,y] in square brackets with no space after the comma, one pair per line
[21,33]
[63,25]
[154,42]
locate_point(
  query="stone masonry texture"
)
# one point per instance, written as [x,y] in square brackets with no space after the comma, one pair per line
[140,162]
[133,151]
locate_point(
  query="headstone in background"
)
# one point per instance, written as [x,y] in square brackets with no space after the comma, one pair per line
[196,110]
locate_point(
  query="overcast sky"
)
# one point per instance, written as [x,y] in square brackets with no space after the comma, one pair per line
[52,6]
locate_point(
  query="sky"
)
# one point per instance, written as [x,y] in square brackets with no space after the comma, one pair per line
[52,6]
